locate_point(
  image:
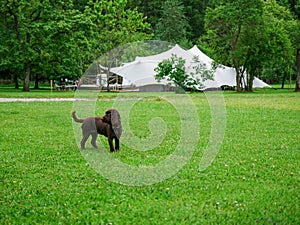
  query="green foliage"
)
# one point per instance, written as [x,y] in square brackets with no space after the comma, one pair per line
[45,37]
[175,71]
[253,37]
[173,25]
[115,25]
[232,28]
[195,13]
[254,179]
[59,39]
[277,42]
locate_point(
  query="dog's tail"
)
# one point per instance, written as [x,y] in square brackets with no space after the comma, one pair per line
[76,119]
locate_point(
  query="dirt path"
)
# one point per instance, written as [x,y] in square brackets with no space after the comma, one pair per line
[41,99]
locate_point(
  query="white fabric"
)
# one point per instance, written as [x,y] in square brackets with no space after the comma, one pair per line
[196,51]
[141,71]
[176,50]
[224,75]
[138,73]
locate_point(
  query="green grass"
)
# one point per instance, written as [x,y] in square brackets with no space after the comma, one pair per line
[10,92]
[45,178]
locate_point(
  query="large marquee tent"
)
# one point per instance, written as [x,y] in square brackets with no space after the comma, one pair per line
[140,73]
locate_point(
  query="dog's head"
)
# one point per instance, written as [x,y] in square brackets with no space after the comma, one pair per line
[112,116]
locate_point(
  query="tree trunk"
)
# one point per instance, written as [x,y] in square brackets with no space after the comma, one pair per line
[238,80]
[297,88]
[36,82]
[16,81]
[235,63]
[26,85]
[250,79]
[283,81]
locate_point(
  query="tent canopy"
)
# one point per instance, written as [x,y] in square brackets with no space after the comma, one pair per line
[225,75]
[141,71]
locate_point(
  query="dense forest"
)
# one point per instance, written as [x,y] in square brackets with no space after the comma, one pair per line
[53,39]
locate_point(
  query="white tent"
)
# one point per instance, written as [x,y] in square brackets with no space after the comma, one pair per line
[140,72]
[224,75]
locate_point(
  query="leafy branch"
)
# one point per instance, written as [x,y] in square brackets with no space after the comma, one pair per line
[175,71]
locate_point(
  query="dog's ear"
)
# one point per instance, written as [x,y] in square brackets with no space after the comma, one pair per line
[116,122]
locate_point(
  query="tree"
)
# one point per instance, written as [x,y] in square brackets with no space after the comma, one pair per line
[228,26]
[114,26]
[293,29]
[9,68]
[18,23]
[175,71]
[251,37]
[173,25]
[195,13]
[151,9]
[66,42]
[276,46]
[295,37]
[44,35]
[61,38]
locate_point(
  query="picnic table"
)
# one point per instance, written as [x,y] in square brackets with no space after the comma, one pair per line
[67,85]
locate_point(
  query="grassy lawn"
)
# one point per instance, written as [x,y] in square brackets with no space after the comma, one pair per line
[254,179]
[44,92]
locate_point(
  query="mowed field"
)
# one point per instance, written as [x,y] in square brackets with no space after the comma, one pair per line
[253,177]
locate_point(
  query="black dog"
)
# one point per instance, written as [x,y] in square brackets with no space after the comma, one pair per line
[109,125]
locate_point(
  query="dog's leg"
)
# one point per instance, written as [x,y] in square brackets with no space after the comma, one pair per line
[110,138]
[94,138]
[110,142]
[85,136]
[117,144]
